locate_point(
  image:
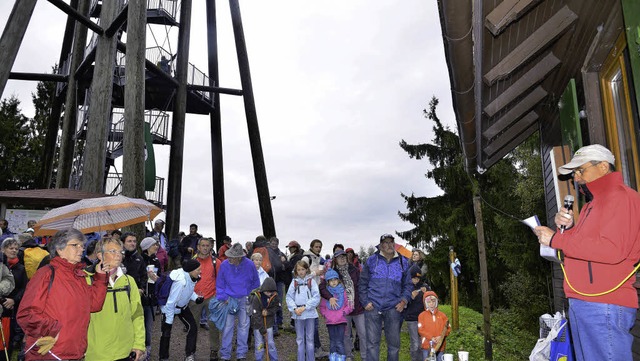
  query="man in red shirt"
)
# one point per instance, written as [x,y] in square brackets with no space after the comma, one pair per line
[206,288]
[600,250]
[226,243]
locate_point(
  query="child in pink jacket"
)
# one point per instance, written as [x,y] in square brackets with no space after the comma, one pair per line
[336,315]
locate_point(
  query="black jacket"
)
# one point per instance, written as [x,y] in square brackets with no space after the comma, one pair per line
[135,267]
[189,241]
[20,278]
[415,306]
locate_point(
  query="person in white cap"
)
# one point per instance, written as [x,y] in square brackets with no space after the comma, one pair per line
[600,249]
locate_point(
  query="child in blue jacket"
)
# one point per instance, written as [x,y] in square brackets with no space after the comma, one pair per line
[303,297]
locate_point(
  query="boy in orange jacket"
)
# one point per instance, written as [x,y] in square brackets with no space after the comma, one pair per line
[433,327]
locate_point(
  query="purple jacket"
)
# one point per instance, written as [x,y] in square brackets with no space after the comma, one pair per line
[335,317]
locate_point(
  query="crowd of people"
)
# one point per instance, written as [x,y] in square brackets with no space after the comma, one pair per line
[97,299]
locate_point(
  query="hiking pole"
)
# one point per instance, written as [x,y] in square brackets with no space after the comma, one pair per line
[266,338]
[4,342]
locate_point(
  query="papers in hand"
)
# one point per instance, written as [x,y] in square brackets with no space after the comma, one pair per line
[532,221]
[546,252]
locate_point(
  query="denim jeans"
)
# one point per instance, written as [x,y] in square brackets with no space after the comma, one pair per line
[336,338]
[148,324]
[362,335]
[304,338]
[316,334]
[374,321]
[415,345]
[259,345]
[243,332]
[439,355]
[601,331]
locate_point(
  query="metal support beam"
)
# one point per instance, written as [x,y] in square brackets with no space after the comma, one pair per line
[259,169]
[215,119]
[78,16]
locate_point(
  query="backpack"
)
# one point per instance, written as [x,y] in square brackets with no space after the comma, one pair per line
[33,256]
[266,260]
[296,286]
[163,288]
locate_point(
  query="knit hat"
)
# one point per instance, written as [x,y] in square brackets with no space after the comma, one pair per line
[268,285]
[331,274]
[415,271]
[147,243]
[235,251]
[190,265]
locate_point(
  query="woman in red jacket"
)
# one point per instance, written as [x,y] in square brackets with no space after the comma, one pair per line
[59,299]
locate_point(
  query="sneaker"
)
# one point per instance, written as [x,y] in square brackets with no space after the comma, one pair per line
[213,356]
[190,358]
[205,326]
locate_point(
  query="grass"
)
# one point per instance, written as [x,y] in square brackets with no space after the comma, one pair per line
[509,341]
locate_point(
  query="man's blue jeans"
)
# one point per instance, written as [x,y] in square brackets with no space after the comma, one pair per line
[415,346]
[392,321]
[259,345]
[243,332]
[304,338]
[601,331]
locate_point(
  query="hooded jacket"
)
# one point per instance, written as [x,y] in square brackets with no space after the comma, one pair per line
[180,295]
[336,317]
[119,326]
[62,310]
[258,299]
[135,267]
[603,246]
[431,324]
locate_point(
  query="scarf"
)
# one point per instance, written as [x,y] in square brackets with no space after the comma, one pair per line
[12,261]
[338,293]
[343,271]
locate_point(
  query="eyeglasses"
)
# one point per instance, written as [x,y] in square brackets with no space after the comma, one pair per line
[580,171]
[115,252]
[76,245]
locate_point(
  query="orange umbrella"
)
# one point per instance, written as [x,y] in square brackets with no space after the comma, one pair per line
[403,251]
[97,214]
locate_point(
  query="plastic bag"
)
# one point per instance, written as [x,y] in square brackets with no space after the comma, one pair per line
[542,350]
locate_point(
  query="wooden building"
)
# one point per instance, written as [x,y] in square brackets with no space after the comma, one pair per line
[568,69]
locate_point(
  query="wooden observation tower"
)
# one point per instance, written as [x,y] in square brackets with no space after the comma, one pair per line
[115,91]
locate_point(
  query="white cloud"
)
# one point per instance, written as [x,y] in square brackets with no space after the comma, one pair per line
[337,85]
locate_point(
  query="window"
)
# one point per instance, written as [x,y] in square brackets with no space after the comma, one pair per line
[620,123]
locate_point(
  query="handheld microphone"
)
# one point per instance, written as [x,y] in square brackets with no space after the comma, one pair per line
[568,204]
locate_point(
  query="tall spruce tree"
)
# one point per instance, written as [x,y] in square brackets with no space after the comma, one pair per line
[517,275]
[22,139]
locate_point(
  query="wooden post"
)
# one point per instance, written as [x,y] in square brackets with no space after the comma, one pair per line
[455,318]
[217,169]
[174,187]
[134,144]
[484,280]
[12,37]
[98,127]
[69,122]
[259,169]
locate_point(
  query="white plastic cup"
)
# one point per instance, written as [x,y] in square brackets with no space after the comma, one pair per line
[463,355]
[447,357]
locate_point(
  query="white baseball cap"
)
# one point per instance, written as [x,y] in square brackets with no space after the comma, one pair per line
[594,152]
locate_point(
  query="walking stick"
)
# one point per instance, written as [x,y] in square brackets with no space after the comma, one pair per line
[4,342]
[266,338]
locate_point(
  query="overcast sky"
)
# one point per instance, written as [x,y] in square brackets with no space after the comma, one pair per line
[337,85]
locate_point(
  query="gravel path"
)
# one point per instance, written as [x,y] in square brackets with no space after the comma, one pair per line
[285,343]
